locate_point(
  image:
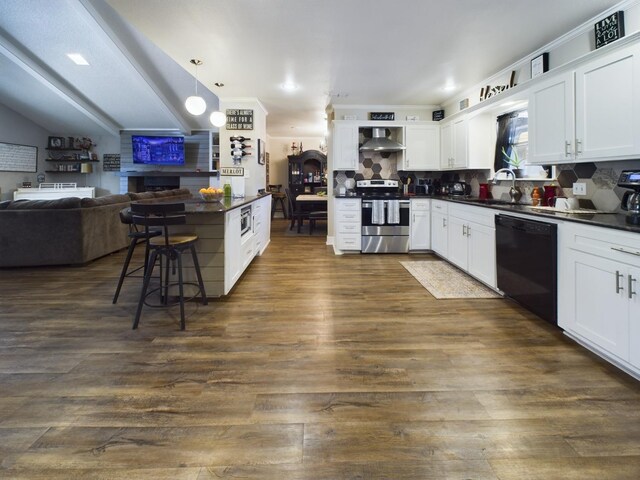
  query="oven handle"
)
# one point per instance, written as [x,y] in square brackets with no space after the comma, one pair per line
[403,204]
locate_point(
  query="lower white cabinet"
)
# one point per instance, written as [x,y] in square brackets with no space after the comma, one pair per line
[439,228]
[599,290]
[420,233]
[348,224]
[262,223]
[472,241]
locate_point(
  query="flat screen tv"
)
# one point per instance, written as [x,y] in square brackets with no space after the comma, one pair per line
[167,150]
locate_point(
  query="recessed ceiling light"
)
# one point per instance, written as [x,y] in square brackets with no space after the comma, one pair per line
[77,58]
[219,84]
[289,87]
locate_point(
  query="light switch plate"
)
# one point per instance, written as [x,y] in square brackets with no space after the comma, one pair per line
[579,188]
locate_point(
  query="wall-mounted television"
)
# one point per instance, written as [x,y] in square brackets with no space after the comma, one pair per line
[156,150]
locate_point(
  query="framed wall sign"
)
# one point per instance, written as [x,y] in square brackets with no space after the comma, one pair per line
[239,119]
[56,142]
[18,158]
[609,29]
[232,171]
[382,116]
[540,64]
[111,162]
[437,115]
[261,152]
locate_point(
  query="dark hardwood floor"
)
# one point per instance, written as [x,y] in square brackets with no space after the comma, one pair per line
[315,367]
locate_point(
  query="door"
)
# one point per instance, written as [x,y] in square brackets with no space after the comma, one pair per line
[345,147]
[423,147]
[607,106]
[600,303]
[633,297]
[446,146]
[458,244]
[482,253]
[460,134]
[551,121]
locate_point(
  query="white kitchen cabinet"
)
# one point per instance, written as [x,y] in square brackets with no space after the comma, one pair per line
[232,249]
[422,144]
[420,228]
[454,144]
[598,290]
[588,114]
[348,224]
[262,223]
[439,228]
[472,241]
[345,146]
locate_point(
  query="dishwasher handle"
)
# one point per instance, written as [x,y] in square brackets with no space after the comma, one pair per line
[530,227]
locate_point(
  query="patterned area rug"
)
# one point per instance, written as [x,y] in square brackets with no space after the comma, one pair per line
[446,281]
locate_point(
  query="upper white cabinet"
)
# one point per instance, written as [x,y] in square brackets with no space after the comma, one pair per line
[345,146]
[423,148]
[453,151]
[591,113]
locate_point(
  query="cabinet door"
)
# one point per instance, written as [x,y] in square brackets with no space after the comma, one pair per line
[345,147]
[446,146]
[482,253]
[551,121]
[232,249]
[608,106]
[458,244]
[599,304]
[439,236]
[633,297]
[420,230]
[423,147]
[460,138]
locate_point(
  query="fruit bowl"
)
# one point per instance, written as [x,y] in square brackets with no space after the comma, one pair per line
[211,196]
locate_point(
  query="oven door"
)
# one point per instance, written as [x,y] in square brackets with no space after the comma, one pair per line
[370,228]
[245,220]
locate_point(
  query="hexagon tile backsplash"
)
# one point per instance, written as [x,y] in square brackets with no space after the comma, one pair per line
[601,179]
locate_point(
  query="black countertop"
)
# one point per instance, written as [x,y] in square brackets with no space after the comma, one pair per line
[197,205]
[617,221]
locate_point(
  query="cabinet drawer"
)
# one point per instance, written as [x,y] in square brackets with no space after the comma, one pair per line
[345,227]
[348,216]
[440,206]
[480,215]
[352,204]
[349,242]
[605,242]
[421,204]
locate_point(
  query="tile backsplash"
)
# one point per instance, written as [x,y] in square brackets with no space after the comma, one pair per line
[601,179]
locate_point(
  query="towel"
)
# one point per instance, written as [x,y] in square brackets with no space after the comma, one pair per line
[377,212]
[393,212]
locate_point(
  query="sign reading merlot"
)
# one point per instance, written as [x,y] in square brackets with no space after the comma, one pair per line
[609,29]
[239,119]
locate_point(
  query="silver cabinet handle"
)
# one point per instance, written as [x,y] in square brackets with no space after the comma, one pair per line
[567,148]
[618,277]
[631,292]
[464,230]
[468,230]
[444,222]
[578,146]
[617,249]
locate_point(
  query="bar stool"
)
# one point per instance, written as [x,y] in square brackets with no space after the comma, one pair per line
[136,236]
[313,217]
[167,247]
[277,196]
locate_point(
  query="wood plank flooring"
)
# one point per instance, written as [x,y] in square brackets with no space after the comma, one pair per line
[316,367]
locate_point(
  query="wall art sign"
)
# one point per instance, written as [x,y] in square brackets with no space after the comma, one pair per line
[609,29]
[111,162]
[489,91]
[232,171]
[18,158]
[437,115]
[382,116]
[540,64]
[239,119]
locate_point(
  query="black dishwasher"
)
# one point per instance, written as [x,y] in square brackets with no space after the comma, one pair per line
[526,257]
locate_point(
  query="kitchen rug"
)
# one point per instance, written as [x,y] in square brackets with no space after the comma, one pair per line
[446,281]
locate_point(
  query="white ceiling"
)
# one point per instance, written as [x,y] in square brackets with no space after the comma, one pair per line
[399,52]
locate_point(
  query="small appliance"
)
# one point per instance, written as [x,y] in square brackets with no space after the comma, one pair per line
[459,188]
[631,200]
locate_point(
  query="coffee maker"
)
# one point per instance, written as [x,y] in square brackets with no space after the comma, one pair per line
[631,199]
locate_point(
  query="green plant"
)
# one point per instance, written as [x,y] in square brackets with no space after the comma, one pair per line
[514,160]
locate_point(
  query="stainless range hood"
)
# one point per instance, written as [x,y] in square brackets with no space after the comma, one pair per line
[380,143]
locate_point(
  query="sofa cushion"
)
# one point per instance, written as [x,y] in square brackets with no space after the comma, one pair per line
[181,191]
[141,195]
[106,200]
[58,204]
[4,204]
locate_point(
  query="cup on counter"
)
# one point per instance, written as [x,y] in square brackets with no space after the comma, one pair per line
[562,203]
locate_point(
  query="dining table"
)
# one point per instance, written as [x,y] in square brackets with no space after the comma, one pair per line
[309,203]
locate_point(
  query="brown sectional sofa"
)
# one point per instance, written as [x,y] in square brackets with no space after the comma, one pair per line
[68,231]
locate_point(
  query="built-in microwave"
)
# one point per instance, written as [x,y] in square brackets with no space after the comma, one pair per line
[245,220]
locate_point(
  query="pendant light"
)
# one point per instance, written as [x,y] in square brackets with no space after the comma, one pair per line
[196,105]
[218,119]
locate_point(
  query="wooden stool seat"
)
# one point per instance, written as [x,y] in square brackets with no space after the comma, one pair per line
[278,197]
[174,240]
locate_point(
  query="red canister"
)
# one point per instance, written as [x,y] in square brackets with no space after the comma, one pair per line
[484,191]
[549,194]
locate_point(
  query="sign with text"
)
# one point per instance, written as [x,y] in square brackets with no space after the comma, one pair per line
[239,119]
[111,162]
[609,29]
[232,171]
[382,116]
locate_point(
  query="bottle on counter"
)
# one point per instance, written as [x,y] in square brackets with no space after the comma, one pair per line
[227,190]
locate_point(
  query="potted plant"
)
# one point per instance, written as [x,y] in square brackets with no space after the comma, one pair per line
[514,161]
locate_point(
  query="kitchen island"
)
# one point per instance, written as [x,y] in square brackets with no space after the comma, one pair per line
[231,232]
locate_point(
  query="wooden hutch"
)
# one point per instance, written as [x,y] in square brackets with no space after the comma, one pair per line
[307,172]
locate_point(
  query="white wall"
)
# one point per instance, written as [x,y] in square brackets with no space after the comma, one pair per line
[279,148]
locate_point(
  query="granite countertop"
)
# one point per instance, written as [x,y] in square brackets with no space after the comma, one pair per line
[197,205]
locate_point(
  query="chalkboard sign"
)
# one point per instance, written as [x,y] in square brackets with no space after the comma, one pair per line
[437,115]
[111,162]
[239,119]
[18,158]
[382,116]
[609,29]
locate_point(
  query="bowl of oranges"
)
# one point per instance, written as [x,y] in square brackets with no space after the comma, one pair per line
[211,194]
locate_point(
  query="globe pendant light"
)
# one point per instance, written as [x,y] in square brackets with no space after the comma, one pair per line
[195,105]
[218,119]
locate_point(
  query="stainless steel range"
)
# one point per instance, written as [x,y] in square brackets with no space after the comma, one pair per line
[385,217]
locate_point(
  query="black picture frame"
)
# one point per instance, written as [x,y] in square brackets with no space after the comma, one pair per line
[609,29]
[55,143]
[261,152]
[539,64]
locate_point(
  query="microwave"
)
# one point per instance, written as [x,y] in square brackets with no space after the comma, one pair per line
[245,220]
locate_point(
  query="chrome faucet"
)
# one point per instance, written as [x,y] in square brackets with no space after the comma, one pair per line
[514,192]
